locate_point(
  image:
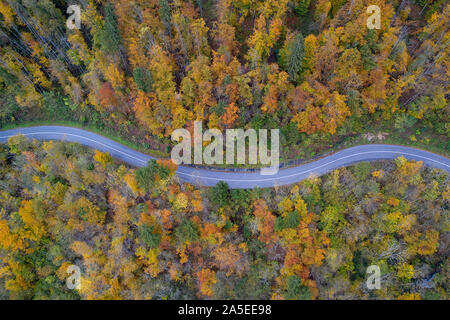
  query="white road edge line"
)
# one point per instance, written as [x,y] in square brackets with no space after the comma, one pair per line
[315,168]
[228,179]
[77,136]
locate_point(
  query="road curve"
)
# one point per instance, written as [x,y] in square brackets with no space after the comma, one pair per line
[241,180]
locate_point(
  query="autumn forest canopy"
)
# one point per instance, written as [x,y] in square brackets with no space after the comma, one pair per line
[139,69]
[141,234]
[311,68]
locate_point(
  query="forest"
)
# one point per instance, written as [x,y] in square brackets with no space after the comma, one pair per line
[141,234]
[136,70]
[141,68]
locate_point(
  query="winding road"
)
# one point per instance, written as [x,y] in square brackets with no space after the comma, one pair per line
[241,180]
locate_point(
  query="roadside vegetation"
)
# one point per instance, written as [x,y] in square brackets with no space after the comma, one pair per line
[140,233]
[137,70]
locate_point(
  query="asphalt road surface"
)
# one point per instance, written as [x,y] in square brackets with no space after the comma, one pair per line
[241,180]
